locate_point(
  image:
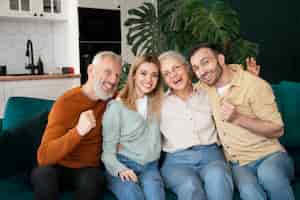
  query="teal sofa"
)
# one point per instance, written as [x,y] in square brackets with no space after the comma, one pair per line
[21,130]
[29,115]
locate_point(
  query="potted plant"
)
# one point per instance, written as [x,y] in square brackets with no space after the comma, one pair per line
[179,24]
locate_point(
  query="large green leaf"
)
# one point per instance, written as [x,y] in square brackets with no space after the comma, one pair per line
[144,31]
[124,74]
[180,24]
[240,50]
[216,24]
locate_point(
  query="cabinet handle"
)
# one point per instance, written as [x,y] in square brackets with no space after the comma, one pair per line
[41,14]
[35,14]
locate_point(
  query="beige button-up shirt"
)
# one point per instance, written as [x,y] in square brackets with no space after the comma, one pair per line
[253,97]
[187,123]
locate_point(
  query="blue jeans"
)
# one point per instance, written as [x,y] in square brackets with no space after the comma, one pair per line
[149,186]
[266,178]
[198,173]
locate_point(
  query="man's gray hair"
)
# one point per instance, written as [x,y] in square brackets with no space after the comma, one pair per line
[173,54]
[100,55]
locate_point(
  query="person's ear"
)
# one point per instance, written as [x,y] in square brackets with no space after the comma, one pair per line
[90,70]
[221,59]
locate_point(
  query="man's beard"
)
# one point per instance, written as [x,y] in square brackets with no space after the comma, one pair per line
[218,72]
[99,92]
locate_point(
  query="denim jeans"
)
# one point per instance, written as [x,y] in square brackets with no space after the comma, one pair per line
[266,178]
[198,173]
[149,186]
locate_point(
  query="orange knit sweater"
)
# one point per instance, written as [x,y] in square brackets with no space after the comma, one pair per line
[61,144]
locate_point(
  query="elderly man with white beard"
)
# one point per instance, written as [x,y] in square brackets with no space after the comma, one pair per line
[70,151]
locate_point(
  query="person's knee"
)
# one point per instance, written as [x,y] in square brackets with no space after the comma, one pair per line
[45,182]
[151,178]
[190,185]
[92,179]
[272,177]
[251,190]
[132,191]
[43,174]
[218,172]
[249,187]
[154,181]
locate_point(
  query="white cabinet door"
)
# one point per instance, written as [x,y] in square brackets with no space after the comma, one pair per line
[34,9]
[52,9]
[16,8]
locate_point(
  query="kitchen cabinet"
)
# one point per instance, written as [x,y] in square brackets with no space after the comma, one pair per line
[34,9]
[52,9]
[47,88]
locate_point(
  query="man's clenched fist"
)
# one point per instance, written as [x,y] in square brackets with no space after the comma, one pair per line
[86,122]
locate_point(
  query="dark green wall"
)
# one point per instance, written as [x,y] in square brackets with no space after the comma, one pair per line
[275,26]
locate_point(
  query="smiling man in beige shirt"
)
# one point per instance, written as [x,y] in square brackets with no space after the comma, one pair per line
[248,123]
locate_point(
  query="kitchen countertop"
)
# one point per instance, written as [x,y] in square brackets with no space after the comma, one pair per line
[36,77]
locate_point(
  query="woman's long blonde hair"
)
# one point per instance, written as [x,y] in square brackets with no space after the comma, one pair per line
[128,93]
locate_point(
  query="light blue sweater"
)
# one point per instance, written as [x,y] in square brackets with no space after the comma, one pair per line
[140,139]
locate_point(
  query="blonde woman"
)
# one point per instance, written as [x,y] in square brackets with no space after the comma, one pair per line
[132,120]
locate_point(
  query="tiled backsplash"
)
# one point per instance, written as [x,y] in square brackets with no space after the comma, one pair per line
[13,37]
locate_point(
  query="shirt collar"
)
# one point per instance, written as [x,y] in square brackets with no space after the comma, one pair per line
[169,92]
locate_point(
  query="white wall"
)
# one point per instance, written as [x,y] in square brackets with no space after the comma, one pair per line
[13,36]
[66,39]
[57,42]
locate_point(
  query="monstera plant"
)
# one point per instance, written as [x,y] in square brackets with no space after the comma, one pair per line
[180,24]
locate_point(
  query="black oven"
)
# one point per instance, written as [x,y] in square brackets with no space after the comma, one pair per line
[99,30]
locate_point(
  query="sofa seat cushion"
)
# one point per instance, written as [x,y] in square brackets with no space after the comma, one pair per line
[13,191]
[296,189]
[17,109]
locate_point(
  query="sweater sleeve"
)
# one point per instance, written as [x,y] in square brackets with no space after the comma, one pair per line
[58,140]
[111,137]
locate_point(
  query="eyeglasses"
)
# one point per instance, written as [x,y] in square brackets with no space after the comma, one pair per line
[174,69]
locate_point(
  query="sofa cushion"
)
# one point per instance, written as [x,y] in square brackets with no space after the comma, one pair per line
[288,96]
[13,191]
[18,147]
[19,108]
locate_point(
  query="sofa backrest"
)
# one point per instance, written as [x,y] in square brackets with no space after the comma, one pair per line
[19,108]
[288,99]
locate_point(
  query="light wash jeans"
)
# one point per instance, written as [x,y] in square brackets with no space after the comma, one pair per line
[198,173]
[149,187]
[266,178]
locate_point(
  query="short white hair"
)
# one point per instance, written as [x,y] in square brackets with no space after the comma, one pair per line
[173,54]
[100,55]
